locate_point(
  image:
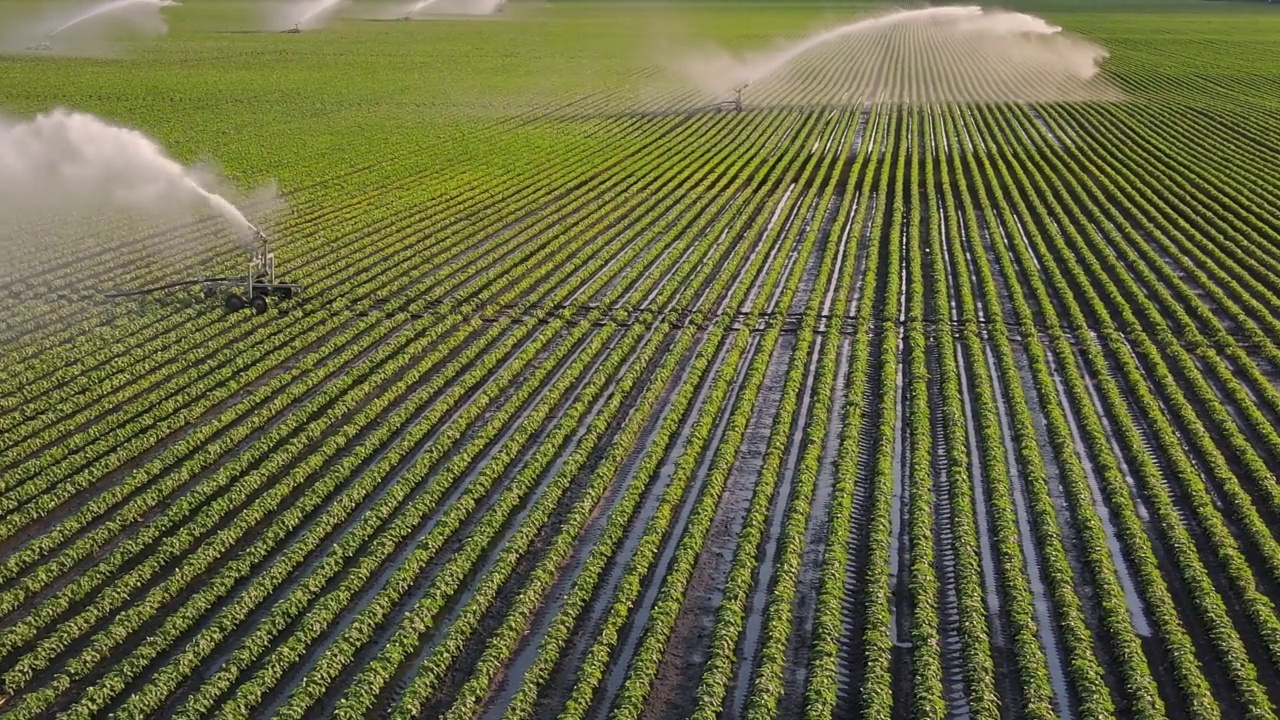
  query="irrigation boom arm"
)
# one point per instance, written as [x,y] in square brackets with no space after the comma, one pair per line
[166,286]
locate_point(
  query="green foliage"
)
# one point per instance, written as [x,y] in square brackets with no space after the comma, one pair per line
[513,414]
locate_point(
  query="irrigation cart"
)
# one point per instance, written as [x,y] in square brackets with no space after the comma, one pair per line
[238,292]
[734,105]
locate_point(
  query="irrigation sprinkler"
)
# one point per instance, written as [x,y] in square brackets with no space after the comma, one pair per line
[735,104]
[257,285]
[297,28]
[101,9]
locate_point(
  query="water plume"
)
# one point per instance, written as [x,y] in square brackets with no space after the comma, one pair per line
[70,177]
[92,31]
[108,7]
[938,54]
[303,15]
[421,8]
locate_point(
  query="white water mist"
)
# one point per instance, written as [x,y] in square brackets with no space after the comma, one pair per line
[65,168]
[93,30]
[419,7]
[302,14]
[423,8]
[942,41]
[109,7]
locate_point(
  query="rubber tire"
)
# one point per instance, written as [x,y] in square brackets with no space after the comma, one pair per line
[284,293]
[235,303]
[258,303]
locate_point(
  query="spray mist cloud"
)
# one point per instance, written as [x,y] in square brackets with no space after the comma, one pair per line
[953,53]
[65,168]
[425,8]
[93,30]
[301,14]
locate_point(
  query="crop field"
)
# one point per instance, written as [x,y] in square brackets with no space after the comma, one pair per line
[918,388]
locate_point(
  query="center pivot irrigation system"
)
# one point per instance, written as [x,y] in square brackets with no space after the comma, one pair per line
[257,285]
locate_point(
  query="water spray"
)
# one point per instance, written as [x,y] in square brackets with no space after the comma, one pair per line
[418,6]
[1008,46]
[311,13]
[110,7]
[66,167]
[467,7]
[775,62]
[105,8]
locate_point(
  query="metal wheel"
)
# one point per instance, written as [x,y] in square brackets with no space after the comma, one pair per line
[235,303]
[258,303]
